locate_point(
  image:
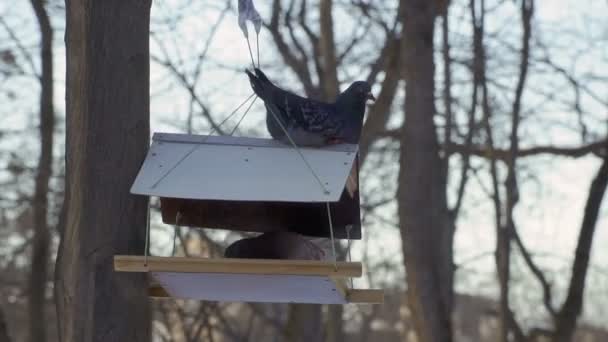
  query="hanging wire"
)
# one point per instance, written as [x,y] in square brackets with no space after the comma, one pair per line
[196,146]
[178,218]
[331,234]
[348,228]
[147,243]
[174,238]
[257,45]
[312,171]
[250,53]
[242,117]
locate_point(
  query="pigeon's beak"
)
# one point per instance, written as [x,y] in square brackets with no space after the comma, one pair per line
[370,96]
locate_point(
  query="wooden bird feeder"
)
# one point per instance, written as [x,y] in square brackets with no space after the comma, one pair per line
[251,280]
[256,185]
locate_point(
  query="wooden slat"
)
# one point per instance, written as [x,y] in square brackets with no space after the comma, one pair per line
[365,296]
[309,219]
[129,263]
[358,296]
[354,296]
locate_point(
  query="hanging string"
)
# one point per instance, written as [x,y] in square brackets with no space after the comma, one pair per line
[242,117]
[174,238]
[147,243]
[178,218]
[312,171]
[196,146]
[257,45]
[348,228]
[331,234]
[251,54]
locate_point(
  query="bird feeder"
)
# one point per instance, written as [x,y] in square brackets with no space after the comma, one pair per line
[255,185]
[251,280]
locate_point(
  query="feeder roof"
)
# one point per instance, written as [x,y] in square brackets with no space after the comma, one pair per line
[242,169]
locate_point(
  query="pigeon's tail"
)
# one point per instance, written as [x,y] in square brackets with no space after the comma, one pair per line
[259,86]
[262,76]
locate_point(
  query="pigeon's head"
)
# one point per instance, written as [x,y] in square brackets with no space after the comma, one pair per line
[360,90]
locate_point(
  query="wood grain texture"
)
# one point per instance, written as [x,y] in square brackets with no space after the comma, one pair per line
[38,276]
[355,296]
[308,219]
[107,138]
[131,263]
[427,237]
[365,296]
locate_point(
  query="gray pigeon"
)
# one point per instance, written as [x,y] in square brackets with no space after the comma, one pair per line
[310,122]
[275,245]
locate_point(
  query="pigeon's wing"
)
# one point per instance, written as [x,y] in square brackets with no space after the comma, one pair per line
[310,115]
[294,111]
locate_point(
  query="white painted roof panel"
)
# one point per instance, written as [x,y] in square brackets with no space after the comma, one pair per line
[241,169]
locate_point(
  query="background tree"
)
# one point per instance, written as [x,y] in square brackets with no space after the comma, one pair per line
[107,139]
[37,283]
[421,195]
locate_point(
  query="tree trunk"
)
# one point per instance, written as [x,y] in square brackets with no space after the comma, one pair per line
[107,137]
[330,85]
[4,336]
[422,204]
[304,323]
[37,280]
[505,233]
[565,322]
[334,331]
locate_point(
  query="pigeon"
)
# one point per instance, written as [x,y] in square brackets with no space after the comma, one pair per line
[310,122]
[275,245]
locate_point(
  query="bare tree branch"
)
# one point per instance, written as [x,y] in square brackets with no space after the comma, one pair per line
[38,277]
[26,54]
[191,90]
[572,307]
[597,147]
[298,65]
[538,273]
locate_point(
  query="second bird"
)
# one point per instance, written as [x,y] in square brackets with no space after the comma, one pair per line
[309,122]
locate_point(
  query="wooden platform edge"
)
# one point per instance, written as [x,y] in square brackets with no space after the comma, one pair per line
[358,296]
[365,296]
[353,296]
[131,263]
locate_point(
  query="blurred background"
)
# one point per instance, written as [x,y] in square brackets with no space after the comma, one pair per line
[520,92]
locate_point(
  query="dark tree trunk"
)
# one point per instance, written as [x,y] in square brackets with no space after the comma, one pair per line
[4,336]
[423,213]
[107,138]
[330,84]
[304,323]
[335,324]
[37,280]
[506,232]
[565,322]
